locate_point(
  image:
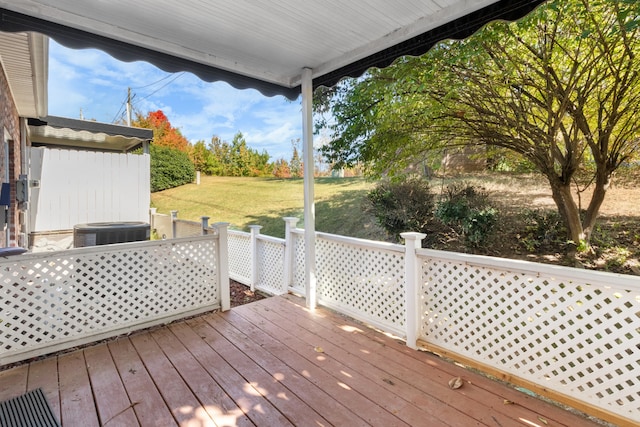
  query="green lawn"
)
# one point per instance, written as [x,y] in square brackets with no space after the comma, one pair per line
[264,201]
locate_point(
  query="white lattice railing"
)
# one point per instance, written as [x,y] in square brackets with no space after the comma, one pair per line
[270,258]
[56,300]
[363,279]
[257,260]
[571,331]
[240,256]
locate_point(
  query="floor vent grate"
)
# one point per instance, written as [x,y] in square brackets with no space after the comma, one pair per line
[29,410]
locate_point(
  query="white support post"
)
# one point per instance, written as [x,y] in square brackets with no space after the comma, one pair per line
[205,224]
[152,218]
[412,241]
[309,206]
[255,232]
[223,264]
[289,254]
[174,227]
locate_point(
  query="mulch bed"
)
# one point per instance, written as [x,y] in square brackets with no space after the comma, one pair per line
[241,294]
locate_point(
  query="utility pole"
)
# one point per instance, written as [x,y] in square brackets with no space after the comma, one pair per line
[129,107]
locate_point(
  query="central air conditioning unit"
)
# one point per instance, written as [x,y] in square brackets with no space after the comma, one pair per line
[106,233]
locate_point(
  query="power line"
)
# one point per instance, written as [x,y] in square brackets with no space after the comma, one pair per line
[163,86]
[157,81]
[119,114]
[119,110]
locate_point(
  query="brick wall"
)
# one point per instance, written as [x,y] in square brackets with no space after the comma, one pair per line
[9,129]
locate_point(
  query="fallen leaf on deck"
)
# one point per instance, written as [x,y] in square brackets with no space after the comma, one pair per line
[319,350]
[543,420]
[455,383]
[508,402]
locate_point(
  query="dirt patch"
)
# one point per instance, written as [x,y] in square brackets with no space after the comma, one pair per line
[242,294]
[615,240]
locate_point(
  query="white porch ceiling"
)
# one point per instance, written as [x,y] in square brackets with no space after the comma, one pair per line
[248,41]
[24,58]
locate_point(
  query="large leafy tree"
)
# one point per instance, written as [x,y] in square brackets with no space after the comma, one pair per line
[561,88]
[164,134]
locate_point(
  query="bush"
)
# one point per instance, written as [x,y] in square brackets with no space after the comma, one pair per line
[405,205]
[170,168]
[466,209]
[542,228]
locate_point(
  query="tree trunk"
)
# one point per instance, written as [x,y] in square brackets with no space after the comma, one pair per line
[599,192]
[568,210]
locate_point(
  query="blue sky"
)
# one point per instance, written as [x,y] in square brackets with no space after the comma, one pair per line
[92,81]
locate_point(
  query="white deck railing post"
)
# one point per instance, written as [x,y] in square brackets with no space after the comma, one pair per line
[152,218]
[174,227]
[289,251]
[223,264]
[255,232]
[412,241]
[205,224]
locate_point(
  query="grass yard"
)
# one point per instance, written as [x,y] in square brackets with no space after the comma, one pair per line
[341,208]
[265,201]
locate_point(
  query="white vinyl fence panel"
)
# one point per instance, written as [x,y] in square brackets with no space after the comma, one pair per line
[77,187]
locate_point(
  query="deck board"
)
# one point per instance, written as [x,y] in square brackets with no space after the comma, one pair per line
[77,406]
[111,400]
[148,404]
[184,405]
[44,374]
[220,407]
[271,363]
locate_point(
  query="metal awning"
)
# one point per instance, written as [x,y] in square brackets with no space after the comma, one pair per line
[264,45]
[55,131]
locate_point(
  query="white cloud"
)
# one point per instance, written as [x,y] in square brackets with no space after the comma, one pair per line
[96,83]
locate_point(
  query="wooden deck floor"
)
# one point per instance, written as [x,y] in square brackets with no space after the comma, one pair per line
[270,363]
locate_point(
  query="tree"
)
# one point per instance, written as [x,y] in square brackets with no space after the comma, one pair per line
[246,161]
[561,88]
[202,158]
[163,133]
[296,165]
[281,169]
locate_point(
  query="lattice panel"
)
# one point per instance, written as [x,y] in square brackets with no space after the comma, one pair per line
[239,243]
[581,339]
[271,267]
[298,263]
[49,297]
[367,283]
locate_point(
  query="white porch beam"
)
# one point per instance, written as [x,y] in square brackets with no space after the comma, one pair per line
[309,206]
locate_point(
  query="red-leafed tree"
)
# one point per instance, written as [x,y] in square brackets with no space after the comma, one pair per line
[163,133]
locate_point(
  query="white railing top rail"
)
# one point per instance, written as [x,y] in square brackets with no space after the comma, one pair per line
[569,274]
[364,243]
[270,239]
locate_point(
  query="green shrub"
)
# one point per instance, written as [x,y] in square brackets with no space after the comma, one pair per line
[541,229]
[170,168]
[404,205]
[466,209]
